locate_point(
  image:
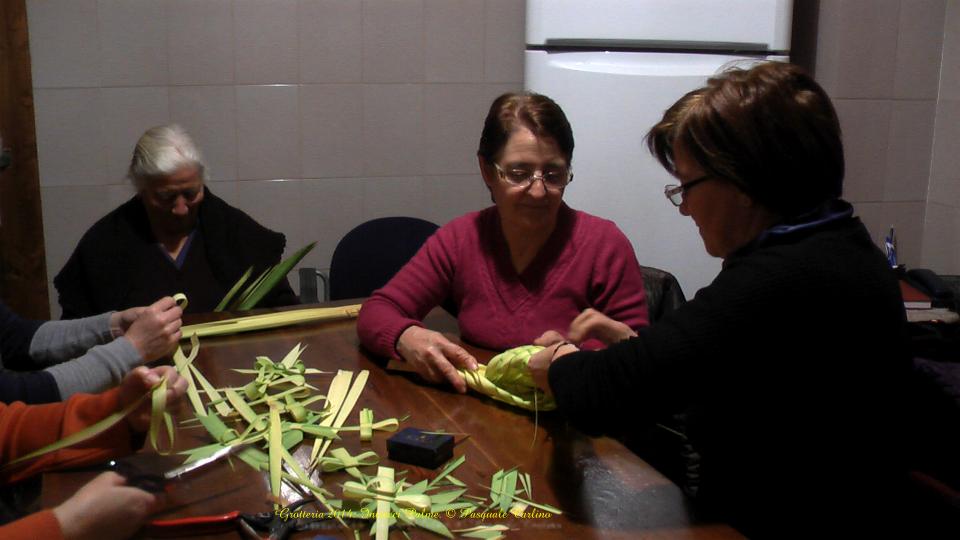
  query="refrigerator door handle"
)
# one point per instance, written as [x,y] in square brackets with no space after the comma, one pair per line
[649,45]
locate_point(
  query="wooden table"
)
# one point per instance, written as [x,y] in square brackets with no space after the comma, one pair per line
[604,490]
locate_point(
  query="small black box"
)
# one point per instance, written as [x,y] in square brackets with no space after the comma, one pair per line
[415,447]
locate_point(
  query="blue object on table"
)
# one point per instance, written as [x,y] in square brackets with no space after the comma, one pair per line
[891,247]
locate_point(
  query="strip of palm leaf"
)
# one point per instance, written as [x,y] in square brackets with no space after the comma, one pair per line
[256,291]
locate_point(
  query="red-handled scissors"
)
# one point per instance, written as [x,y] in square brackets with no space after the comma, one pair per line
[273,523]
[158,483]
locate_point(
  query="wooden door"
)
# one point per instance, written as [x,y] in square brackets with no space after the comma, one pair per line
[23,269]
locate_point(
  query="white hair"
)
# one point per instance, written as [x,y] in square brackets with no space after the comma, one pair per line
[162,151]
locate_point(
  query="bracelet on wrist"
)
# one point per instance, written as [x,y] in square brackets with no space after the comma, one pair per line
[555,351]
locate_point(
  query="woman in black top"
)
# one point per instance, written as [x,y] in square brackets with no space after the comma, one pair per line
[790,364]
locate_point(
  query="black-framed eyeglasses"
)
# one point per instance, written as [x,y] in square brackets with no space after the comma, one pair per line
[523,177]
[676,192]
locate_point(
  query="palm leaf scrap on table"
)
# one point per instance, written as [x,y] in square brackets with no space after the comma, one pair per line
[278,411]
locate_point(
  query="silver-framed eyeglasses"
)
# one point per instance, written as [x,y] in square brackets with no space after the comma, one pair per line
[553,179]
[676,192]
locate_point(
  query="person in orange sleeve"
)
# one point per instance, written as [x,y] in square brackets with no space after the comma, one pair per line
[104,508]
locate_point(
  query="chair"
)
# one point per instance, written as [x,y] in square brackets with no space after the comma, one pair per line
[663,292]
[368,256]
[665,445]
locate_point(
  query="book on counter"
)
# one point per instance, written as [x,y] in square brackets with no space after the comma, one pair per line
[914,298]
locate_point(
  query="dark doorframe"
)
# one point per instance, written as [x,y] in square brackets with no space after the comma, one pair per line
[23,268]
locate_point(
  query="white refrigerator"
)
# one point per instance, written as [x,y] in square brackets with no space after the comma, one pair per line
[614,66]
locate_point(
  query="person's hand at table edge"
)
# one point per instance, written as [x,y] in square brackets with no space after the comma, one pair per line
[104,508]
[435,357]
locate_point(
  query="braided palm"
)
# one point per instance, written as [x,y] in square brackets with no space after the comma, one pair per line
[506,378]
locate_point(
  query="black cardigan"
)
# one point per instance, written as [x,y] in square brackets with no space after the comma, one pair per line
[17,383]
[791,366]
[120,252]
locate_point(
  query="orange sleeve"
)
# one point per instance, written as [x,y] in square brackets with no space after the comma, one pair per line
[25,428]
[40,525]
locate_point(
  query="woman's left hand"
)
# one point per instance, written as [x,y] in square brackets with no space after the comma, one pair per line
[539,364]
[548,338]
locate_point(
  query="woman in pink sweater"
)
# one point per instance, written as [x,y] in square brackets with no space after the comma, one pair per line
[523,269]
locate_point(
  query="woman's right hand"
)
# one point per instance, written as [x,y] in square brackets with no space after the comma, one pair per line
[435,357]
[104,509]
[156,330]
[138,382]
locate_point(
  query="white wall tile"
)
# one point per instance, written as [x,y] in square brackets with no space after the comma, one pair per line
[909,150]
[209,114]
[331,208]
[857,47]
[945,169]
[133,42]
[70,146]
[268,132]
[331,41]
[228,191]
[200,37]
[127,114]
[71,210]
[64,43]
[331,123]
[385,197]
[906,217]
[453,37]
[232,68]
[453,119]
[950,66]
[504,27]
[866,133]
[275,204]
[266,41]
[118,194]
[392,129]
[919,48]
[941,239]
[392,40]
[448,197]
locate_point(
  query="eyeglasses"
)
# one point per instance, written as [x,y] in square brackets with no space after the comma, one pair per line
[553,179]
[676,192]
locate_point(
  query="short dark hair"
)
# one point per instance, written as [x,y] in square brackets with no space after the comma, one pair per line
[770,129]
[538,113]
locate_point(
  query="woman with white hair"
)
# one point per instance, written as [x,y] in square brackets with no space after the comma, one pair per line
[174,236]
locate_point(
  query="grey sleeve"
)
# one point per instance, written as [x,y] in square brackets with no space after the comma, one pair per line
[102,367]
[59,341]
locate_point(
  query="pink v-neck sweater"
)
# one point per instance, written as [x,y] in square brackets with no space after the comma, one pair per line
[586,262]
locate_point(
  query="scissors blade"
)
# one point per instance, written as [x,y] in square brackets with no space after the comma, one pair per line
[200,463]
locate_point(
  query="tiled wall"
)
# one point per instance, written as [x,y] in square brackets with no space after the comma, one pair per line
[881,62]
[941,239]
[313,115]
